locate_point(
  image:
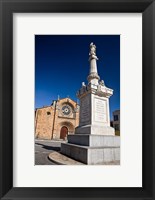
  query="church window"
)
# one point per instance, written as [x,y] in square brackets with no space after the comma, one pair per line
[48,113]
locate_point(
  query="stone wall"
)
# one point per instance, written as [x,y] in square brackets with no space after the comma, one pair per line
[49,120]
[44,122]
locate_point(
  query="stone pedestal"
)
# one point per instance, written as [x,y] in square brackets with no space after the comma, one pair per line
[95,129]
[94,115]
[92,149]
[94,141]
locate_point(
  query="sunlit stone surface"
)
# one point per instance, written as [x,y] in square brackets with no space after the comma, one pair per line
[94,141]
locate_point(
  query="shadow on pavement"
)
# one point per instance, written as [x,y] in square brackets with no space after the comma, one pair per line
[49,147]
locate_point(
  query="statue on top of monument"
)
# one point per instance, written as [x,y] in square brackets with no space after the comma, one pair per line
[92,53]
[92,49]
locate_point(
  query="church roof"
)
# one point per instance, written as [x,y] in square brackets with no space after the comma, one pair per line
[56,101]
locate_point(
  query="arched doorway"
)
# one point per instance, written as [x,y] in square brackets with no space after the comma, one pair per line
[63,132]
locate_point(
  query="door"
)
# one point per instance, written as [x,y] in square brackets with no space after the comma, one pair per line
[63,132]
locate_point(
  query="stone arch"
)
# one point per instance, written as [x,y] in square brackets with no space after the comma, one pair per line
[63,132]
[69,125]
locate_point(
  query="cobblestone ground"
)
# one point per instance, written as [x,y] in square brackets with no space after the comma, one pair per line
[43,148]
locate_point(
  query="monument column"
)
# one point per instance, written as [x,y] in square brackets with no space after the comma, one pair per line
[93,76]
[94,102]
[94,140]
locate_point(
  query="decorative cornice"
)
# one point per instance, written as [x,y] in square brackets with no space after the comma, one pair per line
[93,76]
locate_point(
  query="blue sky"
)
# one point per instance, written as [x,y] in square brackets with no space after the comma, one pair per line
[61,65]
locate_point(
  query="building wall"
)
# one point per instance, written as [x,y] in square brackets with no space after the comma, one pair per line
[49,120]
[116,120]
[44,122]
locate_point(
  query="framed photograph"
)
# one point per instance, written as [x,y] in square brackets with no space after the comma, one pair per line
[77,101]
[72,126]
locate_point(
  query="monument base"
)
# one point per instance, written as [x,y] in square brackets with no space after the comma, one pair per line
[95,129]
[92,149]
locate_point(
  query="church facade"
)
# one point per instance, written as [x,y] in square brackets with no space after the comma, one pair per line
[58,120]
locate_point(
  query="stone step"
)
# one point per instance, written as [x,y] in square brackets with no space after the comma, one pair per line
[92,129]
[94,140]
[91,155]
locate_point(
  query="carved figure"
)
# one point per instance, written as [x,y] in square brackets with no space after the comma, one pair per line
[102,82]
[92,49]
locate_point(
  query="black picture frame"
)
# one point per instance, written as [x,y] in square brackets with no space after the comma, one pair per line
[7,8]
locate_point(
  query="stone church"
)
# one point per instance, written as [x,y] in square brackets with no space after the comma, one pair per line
[58,120]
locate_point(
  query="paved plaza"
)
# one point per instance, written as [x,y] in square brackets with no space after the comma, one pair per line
[47,152]
[43,148]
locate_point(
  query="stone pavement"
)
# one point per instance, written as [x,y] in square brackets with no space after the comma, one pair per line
[61,159]
[43,148]
[47,152]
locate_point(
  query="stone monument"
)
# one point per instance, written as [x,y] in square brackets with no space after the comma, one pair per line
[94,141]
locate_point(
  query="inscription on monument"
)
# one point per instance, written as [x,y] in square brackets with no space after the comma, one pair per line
[100,110]
[84,110]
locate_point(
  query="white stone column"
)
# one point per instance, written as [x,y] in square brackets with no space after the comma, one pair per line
[93,65]
[94,140]
[94,102]
[93,76]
